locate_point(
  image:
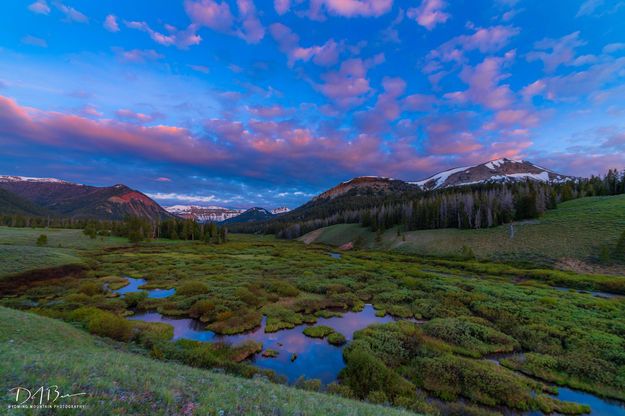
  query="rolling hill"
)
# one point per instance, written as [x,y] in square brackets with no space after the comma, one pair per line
[554,239]
[66,199]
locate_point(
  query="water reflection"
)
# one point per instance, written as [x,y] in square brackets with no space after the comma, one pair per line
[315,357]
[134,284]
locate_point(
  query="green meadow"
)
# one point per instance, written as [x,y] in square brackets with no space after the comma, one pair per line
[578,230]
[542,326]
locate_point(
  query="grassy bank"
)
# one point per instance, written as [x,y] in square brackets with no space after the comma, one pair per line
[37,351]
[19,251]
[577,229]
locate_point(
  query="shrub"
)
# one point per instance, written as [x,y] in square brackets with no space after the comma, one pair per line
[90,288]
[42,240]
[192,288]
[204,309]
[320,331]
[336,338]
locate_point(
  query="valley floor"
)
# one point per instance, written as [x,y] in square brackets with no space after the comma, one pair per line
[470,337]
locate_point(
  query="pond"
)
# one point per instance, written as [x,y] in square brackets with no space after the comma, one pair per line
[134,284]
[335,255]
[598,294]
[316,358]
[599,406]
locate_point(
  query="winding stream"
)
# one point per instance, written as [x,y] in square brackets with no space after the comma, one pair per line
[316,358]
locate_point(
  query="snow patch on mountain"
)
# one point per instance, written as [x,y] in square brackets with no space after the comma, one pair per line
[10,178]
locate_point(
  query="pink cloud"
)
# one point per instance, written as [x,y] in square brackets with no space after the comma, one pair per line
[288,42]
[110,23]
[218,16]
[40,7]
[419,102]
[282,6]
[387,107]
[350,8]
[484,85]
[252,30]
[71,14]
[210,13]
[349,85]
[429,13]
[162,179]
[133,116]
[180,38]
[138,55]
[485,40]
[270,111]
[555,52]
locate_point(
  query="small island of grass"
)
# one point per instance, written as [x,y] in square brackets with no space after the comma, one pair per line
[320,331]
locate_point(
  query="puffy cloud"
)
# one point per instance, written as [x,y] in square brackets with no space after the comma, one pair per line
[555,52]
[110,23]
[218,16]
[429,13]
[348,85]
[387,107]
[252,30]
[484,85]
[270,111]
[282,6]
[180,38]
[288,42]
[40,7]
[350,8]
[486,40]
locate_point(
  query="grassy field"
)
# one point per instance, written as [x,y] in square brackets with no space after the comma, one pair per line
[472,309]
[575,230]
[19,251]
[37,351]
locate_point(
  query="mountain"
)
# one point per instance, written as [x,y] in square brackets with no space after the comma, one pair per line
[366,185]
[203,214]
[280,210]
[255,214]
[67,199]
[11,204]
[495,171]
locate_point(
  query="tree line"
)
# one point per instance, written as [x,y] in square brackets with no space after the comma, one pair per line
[467,207]
[136,229]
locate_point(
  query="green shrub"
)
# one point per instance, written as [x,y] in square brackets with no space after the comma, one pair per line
[192,288]
[90,288]
[336,338]
[203,309]
[42,240]
[320,331]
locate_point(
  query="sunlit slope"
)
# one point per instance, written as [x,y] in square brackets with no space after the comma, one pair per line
[578,229]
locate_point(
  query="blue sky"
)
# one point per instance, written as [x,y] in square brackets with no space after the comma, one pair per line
[243,103]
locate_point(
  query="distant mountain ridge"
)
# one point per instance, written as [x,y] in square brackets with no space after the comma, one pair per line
[203,214]
[66,199]
[255,214]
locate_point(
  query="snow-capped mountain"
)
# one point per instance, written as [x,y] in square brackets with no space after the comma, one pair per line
[9,178]
[494,171]
[66,199]
[203,214]
[280,210]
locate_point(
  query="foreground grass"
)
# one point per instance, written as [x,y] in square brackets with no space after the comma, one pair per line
[37,351]
[576,229]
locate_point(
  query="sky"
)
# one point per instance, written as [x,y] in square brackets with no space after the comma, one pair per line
[267,103]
